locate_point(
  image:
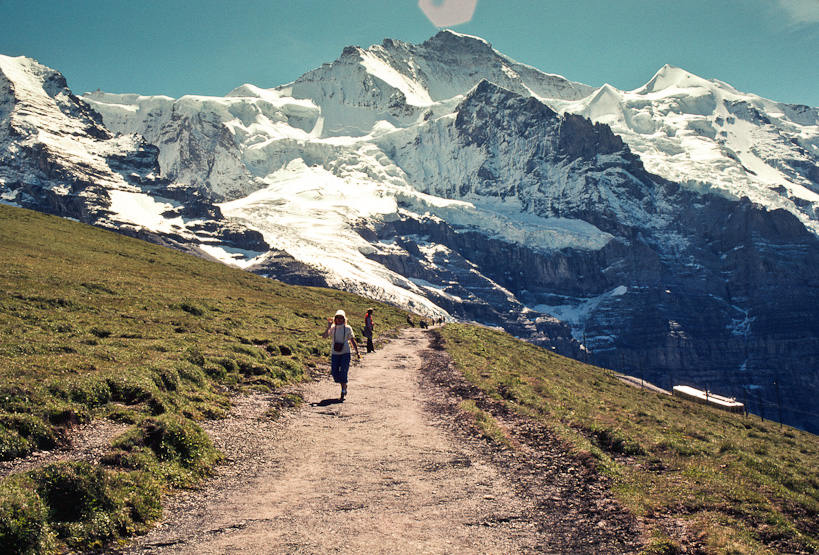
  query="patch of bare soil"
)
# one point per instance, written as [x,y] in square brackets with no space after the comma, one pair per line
[393,469]
[87,442]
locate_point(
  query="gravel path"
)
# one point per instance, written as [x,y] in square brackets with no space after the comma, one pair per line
[393,469]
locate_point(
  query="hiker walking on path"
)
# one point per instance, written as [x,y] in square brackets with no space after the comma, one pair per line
[368,330]
[343,337]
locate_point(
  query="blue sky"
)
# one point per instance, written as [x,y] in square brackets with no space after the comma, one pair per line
[176,47]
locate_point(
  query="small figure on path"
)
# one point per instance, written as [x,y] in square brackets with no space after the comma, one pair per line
[368,330]
[343,337]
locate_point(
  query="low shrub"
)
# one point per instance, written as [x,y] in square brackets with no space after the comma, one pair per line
[167,379]
[91,391]
[89,505]
[678,448]
[192,308]
[131,390]
[615,441]
[175,442]
[192,373]
[31,428]
[24,528]
[215,371]
[292,369]
[12,445]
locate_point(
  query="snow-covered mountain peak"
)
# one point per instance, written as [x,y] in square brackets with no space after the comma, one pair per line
[30,77]
[604,105]
[697,93]
[400,83]
[671,76]
[55,150]
[707,135]
[662,223]
[40,98]
[459,44]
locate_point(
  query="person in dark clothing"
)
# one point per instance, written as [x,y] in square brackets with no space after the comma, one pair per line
[369,326]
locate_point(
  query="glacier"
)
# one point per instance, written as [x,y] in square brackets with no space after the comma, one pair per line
[673,227]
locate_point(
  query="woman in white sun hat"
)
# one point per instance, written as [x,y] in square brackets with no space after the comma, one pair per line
[343,337]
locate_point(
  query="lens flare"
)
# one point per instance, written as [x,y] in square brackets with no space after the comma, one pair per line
[446,13]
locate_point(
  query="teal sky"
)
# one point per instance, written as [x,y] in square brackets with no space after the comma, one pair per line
[177,47]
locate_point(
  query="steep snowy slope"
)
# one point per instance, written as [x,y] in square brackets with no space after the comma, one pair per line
[52,140]
[218,145]
[708,136]
[672,228]
[57,156]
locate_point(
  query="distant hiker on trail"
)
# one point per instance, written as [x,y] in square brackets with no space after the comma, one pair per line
[343,337]
[368,330]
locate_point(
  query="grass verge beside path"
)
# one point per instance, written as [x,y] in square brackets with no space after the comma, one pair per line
[94,325]
[694,475]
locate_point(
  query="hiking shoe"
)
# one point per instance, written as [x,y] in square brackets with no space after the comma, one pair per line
[343,395]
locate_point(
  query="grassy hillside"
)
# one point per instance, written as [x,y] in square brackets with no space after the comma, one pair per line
[95,325]
[733,484]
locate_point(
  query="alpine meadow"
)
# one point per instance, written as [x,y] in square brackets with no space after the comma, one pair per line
[100,326]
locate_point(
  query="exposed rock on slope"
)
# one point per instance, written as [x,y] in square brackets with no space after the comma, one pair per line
[672,229]
[57,156]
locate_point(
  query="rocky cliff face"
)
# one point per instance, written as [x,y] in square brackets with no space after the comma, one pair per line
[691,287]
[668,232]
[57,156]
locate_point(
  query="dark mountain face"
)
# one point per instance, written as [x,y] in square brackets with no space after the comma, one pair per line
[562,236]
[691,288]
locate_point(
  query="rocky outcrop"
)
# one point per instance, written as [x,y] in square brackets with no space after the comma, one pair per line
[669,232]
[56,156]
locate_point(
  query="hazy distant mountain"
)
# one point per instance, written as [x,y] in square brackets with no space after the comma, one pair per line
[671,229]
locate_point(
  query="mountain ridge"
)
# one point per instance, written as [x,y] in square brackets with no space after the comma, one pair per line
[634,217]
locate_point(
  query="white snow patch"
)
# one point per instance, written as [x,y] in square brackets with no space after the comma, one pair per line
[576,313]
[439,290]
[144,210]
[235,257]
[506,220]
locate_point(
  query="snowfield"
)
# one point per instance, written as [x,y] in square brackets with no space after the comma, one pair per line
[371,134]
[674,226]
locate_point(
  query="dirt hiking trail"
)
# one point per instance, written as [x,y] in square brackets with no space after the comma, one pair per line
[393,469]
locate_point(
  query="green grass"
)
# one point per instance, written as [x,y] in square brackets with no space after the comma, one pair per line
[740,485]
[95,325]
